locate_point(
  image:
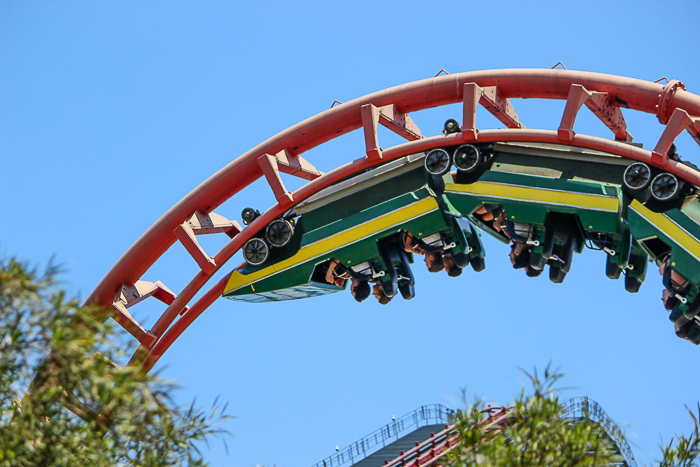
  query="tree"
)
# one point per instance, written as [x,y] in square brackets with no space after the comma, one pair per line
[55,354]
[538,435]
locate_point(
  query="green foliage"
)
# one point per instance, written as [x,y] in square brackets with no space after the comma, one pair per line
[537,435]
[55,354]
[684,451]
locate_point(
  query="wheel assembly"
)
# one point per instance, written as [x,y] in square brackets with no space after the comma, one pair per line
[665,187]
[255,251]
[467,158]
[637,176]
[437,162]
[279,232]
[249,215]
[451,126]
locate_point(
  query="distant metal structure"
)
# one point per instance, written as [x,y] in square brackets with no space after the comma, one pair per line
[124,285]
[427,451]
[582,407]
[425,415]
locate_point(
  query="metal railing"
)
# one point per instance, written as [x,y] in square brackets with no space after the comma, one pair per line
[581,407]
[423,416]
[576,408]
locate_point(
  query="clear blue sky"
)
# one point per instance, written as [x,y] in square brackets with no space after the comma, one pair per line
[111,112]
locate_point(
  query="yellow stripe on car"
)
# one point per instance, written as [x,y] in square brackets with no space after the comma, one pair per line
[536,195]
[346,237]
[672,230]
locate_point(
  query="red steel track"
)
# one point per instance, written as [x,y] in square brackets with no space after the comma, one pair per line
[603,94]
[431,451]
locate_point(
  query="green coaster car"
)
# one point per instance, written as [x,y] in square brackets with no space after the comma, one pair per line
[571,197]
[360,222]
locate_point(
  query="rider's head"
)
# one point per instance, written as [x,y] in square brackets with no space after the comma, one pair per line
[519,255]
[434,261]
[360,290]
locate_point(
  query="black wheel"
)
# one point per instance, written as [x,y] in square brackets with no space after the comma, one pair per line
[612,270]
[451,126]
[556,274]
[467,158]
[255,251]
[279,232]
[478,263]
[665,187]
[437,162]
[537,262]
[637,176]
[249,215]
[632,285]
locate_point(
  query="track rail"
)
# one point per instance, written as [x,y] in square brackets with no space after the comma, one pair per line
[605,95]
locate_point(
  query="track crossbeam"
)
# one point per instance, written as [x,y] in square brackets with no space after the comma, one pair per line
[398,122]
[270,168]
[489,97]
[128,296]
[680,120]
[600,104]
[203,224]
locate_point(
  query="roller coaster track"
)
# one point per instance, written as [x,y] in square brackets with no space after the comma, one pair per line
[433,450]
[124,285]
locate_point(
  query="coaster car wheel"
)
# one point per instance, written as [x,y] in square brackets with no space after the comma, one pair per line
[637,176]
[665,187]
[467,158]
[437,162]
[279,232]
[255,251]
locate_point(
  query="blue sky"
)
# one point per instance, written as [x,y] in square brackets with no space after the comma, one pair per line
[111,112]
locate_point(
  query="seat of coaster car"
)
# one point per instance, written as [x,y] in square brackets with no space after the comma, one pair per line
[562,237]
[686,312]
[397,263]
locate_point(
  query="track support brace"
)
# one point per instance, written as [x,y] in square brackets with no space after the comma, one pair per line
[491,100]
[128,296]
[680,120]
[296,166]
[601,105]
[370,122]
[400,123]
[202,224]
[270,168]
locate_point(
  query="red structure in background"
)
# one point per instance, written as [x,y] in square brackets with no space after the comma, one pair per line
[605,95]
